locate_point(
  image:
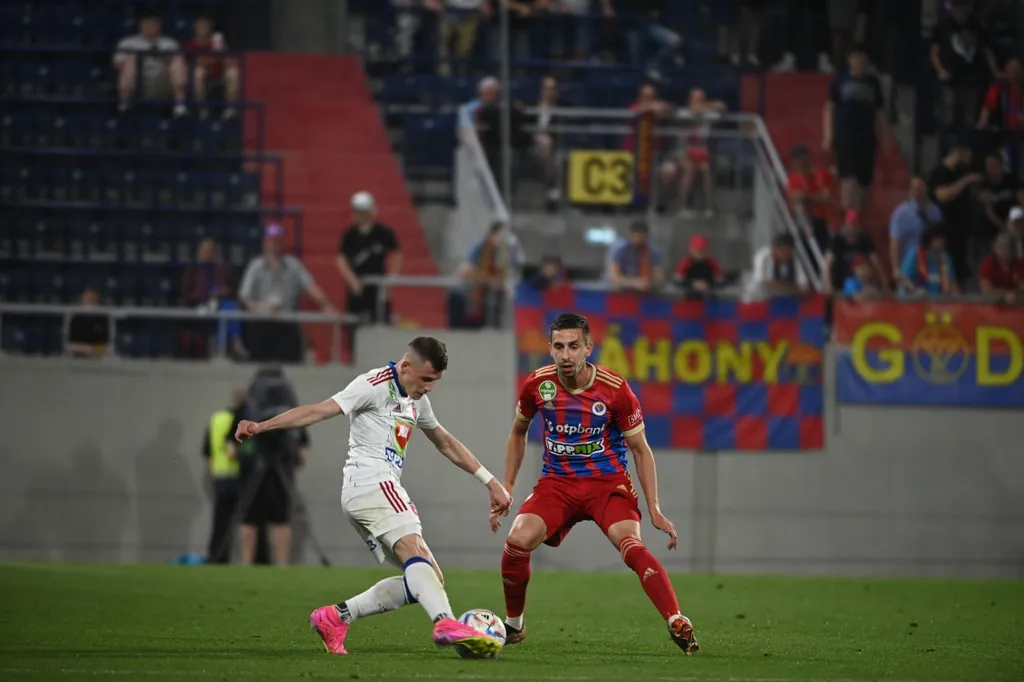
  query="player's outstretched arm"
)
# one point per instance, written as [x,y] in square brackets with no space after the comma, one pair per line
[459,455]
[647,472]
[515,451]
[297,417]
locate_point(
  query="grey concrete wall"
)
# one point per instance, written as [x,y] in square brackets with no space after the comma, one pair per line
[100,462]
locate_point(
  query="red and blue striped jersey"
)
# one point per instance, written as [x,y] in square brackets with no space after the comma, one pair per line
[585,429]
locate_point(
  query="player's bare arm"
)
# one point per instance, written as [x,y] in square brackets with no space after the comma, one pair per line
[295,418]
[647,472]
[459,455]
[515,451]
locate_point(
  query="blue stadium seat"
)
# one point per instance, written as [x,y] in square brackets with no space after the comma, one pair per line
[428,140]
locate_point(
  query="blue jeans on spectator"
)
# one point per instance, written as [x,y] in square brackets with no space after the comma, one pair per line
[665,42]
[572,35]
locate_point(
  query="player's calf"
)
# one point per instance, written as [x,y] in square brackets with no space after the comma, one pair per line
[654,580]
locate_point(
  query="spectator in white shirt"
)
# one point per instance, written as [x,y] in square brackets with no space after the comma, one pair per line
[164,74]
[776,271]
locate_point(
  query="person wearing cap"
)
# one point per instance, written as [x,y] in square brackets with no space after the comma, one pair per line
[1002,272]
[634,264]
[862,285]
[850,241]
[164,73]
[776,270]
[368,248]
[909,221]
[273,283]
[854,123]
[929,269]
[698,272]
[963,59]
[949,184]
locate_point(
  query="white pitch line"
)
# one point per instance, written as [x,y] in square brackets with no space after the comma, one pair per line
[347,674]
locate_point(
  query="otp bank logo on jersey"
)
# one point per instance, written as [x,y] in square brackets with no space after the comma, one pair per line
[588,449]
[573,429]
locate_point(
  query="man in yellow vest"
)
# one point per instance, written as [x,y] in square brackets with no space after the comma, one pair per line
[221,456]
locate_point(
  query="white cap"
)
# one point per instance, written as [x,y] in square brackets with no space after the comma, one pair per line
[362,201]
[1016,213]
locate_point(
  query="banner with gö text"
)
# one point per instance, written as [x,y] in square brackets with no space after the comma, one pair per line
[710,375]
[920,353]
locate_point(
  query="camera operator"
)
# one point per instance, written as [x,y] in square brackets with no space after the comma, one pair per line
[268,472]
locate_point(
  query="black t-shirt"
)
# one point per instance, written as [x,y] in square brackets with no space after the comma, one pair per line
[89,329]
[367,252]
[961,50]
[1004,193]
[955,213]
[844,249]
[857,101]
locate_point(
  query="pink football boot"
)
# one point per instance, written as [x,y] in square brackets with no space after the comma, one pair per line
[449,632]
[330,627]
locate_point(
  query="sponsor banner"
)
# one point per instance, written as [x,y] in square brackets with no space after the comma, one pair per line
[710,375]
[922,353]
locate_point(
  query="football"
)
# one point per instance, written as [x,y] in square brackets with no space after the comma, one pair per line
[483,621]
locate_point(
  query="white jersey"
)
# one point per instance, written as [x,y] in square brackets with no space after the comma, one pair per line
[382,419]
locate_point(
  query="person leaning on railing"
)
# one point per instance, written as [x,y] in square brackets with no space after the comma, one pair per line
[89,333]
[1002,272]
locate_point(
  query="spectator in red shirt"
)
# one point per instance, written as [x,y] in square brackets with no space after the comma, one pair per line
[210,68]
[648,103]
[810,194]
[698,272]
[1004,110]
[1001,272]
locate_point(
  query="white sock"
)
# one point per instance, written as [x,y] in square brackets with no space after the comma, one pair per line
[516,622]
[426,588]
[387,595]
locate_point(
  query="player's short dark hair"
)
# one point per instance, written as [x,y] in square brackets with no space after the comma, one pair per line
[431,350]
[570,321]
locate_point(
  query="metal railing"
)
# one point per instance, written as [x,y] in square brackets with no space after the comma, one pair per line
[118,315]
[480,202]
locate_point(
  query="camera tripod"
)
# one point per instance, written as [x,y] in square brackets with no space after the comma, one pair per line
[251,488]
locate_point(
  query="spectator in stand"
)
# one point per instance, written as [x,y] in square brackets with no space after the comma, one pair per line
[700,114]
[489,266]
[854,125]
[573,30]
[634,264]
[850,241]
[164,73]
[648,103]
[809,194]
[1003,110]
[273,283]
[544,139]
[929,270]
[806,31]
[550,274]
[862,285]
[488,92]
[949,185]
[698,273]
[739,23]
[1002,273]
[999,191]
[206,284]
[211,70]
[460,23]
[908,223]
[1016,230]
[89,334]
[525,28]
[651,31]
[367,248]
[776,271]
[962,58]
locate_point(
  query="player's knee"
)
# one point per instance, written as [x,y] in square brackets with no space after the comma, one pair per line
[411,546]
[528,531]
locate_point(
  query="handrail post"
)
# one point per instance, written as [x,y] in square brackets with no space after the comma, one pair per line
[336,342]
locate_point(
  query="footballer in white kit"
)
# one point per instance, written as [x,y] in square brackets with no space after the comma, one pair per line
[385,406]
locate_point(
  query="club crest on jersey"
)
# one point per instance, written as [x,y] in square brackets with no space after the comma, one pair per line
[403,432]
[599,408]
[547,390]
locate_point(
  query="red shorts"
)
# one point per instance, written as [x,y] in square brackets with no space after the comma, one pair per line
[563,501]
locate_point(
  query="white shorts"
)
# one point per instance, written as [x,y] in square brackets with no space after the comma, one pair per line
[382,514]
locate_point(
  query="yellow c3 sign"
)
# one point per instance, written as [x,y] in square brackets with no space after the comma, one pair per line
[600,177]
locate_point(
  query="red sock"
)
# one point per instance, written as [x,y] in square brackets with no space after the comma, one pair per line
[515,576]
[652,576]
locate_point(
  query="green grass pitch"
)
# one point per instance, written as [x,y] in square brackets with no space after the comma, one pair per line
[82,621]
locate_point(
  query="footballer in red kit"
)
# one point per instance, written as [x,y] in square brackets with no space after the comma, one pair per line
[592,420]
